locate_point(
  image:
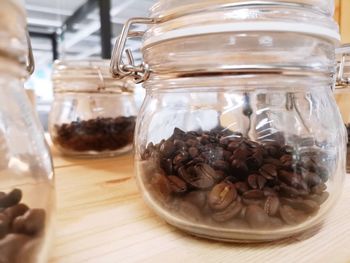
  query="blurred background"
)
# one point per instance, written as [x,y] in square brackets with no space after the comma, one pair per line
[81,29]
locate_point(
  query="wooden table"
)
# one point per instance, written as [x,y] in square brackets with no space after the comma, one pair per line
[102,218]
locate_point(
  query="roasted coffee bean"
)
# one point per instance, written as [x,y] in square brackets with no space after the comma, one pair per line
[222,195]
[275,222]
[254,194]
[11,199]
[167,149]
[98,134]
[269,191]
[290,178]
[161,186]
[197,178]
[253,197]
[318,189]
[312,179]
[193,151]
[241,187]
[256,216]
[15,211]
[177,185]
[4,225]
[31,223]
[319,198]
[289,191]
[180,145]
[286,160]
[192,142]
[231,179]
[180,158]
[308,206]
[269,171]
[272,205]
[198,198]
[253,181]
[239,166]
[261,181]
[291,216]
[10,246]
[220,165]
[228,213]
[167,165]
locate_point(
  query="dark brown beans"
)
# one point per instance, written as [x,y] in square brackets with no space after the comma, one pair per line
[272,205]
[253,197]
[221,196]
[291,216]
[261,181]
[197,178]
[177,185]
[11,199]
[242,187]
[253,181]
[269,171]
[167,149]
[290,178]
[15,211]
[256,217]
[31,223]
[308,206]
[161,186]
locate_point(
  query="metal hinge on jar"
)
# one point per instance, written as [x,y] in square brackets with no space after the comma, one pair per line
[30,59]
[119,69]
[343,81]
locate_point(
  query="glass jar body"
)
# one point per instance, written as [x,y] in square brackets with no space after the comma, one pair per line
[27,198]
[240,158]
[93,123]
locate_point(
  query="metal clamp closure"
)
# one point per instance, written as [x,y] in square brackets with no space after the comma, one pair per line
[342,81]
[119,69]
[30,59]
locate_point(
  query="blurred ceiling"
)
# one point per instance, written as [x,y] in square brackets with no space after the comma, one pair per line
[82,39]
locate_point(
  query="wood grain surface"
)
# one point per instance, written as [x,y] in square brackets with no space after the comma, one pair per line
[102,218]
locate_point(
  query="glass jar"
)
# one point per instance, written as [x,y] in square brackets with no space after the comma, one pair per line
[239,137]
[26,173]
[342,92]
[92,114]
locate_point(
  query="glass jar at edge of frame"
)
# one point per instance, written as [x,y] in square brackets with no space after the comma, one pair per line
[239,137]
[342,92]
[27,199]
[92,115]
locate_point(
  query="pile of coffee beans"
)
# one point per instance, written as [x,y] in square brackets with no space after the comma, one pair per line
[20,228]
[100,134]
[221,177]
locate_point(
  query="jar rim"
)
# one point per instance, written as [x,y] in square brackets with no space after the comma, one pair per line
[91,75]
[173,8]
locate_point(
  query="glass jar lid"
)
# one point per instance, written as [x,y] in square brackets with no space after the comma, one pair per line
[166,8]
[91,76]
[193,24]
[343,66]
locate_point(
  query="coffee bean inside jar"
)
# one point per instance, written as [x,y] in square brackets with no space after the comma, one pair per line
[100,134]
[221,177]
[21,228]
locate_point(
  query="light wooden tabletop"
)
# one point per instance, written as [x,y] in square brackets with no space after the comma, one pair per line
[101,218]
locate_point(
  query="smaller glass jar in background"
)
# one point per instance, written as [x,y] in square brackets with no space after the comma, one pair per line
[92,113]
[342,92]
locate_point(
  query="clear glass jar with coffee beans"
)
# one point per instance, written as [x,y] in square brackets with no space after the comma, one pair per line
[92,114]
[239,137]
[27,200]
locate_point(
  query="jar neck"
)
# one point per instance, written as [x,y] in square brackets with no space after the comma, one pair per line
[244,82]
